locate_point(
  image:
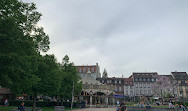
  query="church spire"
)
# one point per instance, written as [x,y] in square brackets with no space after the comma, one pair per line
[105,75]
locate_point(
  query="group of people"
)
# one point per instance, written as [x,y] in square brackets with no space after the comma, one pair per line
[122,107]
[177,106]
[141,104]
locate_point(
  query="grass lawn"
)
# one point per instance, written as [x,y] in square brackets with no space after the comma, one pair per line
[3,108]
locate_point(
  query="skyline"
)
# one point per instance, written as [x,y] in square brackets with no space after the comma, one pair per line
[121,36]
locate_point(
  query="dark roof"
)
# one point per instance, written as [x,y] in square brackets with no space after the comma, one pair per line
[144,74]
[180,75]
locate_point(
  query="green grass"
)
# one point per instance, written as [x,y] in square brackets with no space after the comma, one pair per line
[3,108]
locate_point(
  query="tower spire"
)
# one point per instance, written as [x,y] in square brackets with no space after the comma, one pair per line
[105,74]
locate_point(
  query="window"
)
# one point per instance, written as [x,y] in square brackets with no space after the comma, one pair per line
[84,70]
[152,80]
[102,81]
[92,70]
[145,92]
[125,82]
[136,85]
[148,85]
[80,70]
[119,88]
[115,88]
[148,79]
[110,81]
[144,85]
[119,82]
[130,82]
[140,79]
[140,85]
[144,79]
[149,92]
[115,81]
[107,81]
[136,79]
[88,69]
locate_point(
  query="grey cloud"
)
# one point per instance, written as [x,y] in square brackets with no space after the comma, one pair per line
[122,36]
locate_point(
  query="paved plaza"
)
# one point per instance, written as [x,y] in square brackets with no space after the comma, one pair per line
[96,109]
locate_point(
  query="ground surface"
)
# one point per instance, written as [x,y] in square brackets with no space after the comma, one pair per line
[96,109]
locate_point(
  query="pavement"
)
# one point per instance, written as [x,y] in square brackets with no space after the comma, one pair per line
[97,109]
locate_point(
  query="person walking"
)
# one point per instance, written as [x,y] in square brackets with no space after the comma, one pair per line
[6,102]
[21,107]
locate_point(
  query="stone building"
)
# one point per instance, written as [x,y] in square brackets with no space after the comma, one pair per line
[142,83]
[182,83]
[93,69]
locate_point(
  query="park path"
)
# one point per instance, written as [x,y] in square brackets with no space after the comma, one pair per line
[96,109]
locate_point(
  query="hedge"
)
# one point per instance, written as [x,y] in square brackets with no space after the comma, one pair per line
[42,103]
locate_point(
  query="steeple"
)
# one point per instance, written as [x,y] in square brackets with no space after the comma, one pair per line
[105,75]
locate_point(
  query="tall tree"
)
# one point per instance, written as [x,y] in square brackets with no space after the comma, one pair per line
[69,77]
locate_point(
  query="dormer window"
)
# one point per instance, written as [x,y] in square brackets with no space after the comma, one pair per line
[84,70]
[80,70]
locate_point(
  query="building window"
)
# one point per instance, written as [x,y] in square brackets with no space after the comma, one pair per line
[80,70]
[140,85]
[115,88]
[130,82]
[119,82]
[145,92]
[84,70]
[115,81]
[136,79]
[93,70]
[102,81]
[148,79]
[136,85]
[148,85]
[149,92]
[152,80]
[125,82]
[119,88]
[110,81]
[140,79]
[144,79]
[107,81]
[88,69]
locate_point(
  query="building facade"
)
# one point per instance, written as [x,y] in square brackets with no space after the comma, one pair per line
[93,69]
[143,83]
[182,83]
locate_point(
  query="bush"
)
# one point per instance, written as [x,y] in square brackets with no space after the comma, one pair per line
[42,103]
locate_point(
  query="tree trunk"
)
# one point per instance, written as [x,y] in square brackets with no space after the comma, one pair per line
[162,96]
[34,102]
[62,101]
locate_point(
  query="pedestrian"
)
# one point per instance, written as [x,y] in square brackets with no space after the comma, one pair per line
[123,108]
[6,102]
[122,104]
[21,107]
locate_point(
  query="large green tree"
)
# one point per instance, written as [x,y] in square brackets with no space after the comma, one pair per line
[21,42]
[22,68]
[69,77]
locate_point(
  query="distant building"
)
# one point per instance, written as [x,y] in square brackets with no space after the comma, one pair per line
[93,69]
[124,87]
[143,82]
[182,80]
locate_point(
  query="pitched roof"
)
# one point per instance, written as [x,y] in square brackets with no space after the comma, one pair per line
[180,75]
[144,74]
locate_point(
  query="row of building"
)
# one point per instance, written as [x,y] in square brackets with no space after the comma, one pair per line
[139,83]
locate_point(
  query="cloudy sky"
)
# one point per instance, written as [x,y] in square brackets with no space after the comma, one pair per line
[123,36]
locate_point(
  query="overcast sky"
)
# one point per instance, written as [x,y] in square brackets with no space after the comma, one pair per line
[123,36]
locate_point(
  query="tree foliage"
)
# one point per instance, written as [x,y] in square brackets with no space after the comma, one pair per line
[22,68]
[69,77]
